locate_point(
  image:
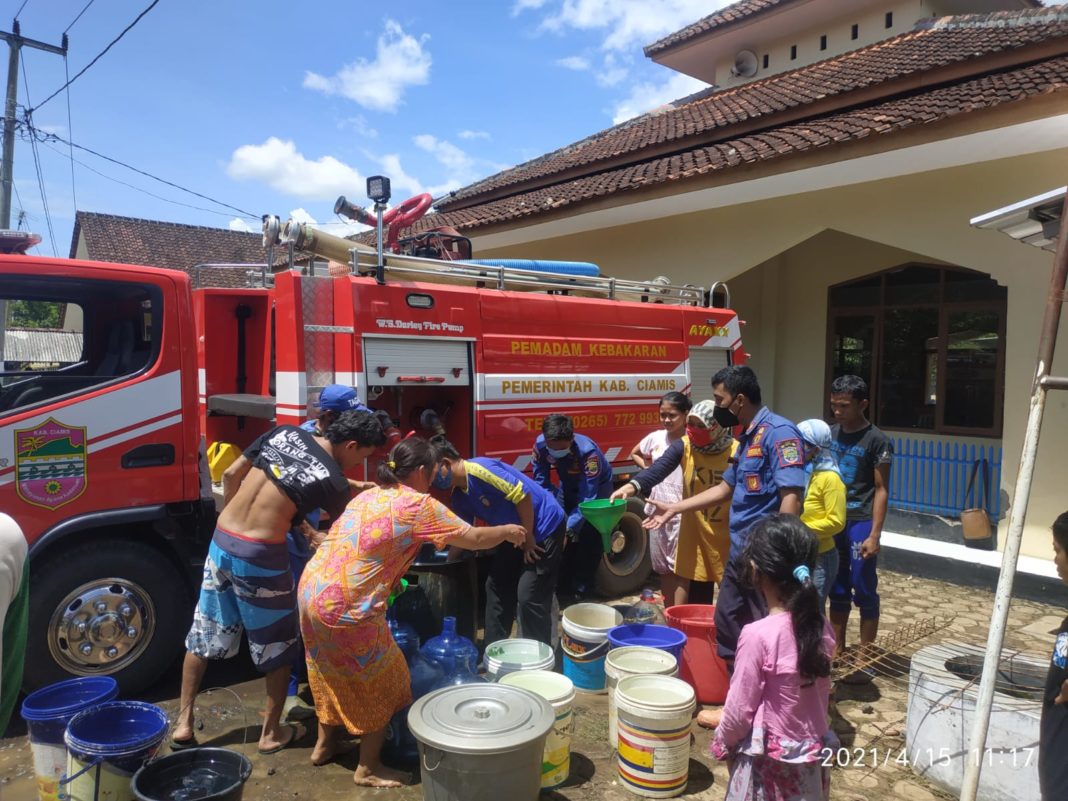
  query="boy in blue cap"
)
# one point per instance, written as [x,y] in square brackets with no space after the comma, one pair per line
[585,474]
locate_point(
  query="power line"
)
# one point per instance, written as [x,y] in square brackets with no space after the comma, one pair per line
[70,131]
[86,8]
[24,2]
[37,159]
[100,55]
[138,188]
[57,138]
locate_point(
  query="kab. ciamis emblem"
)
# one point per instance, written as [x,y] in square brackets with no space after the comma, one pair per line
[50,465]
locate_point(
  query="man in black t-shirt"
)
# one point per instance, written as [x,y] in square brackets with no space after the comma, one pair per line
[1053,731]
[864,455]
[248,586]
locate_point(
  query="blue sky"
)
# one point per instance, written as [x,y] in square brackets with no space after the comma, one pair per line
[278,108]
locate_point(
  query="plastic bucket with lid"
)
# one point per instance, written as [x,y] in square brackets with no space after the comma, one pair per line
[654,734]
[585,643]
[508,656]
[479,742]
[634,660]
[701,666]
[560,692]
[47,713]
[650,635]
[196,774]
[107,745]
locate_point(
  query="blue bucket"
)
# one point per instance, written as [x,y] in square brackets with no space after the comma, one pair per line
[585,668]
[649,635]
[107,744]
[47,712]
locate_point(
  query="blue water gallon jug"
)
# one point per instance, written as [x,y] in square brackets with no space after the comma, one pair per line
[450,650]
[400,746]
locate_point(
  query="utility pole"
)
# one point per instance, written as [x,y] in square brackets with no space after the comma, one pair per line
[15,42]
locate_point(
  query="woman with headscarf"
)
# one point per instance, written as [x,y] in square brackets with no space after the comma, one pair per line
[825,501]
[704,536]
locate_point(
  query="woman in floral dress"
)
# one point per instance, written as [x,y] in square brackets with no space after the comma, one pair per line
[357,674]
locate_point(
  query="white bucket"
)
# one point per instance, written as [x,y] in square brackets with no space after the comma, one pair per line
[654,735]
[509,656]
[585,643]
[633,660]
[560,692]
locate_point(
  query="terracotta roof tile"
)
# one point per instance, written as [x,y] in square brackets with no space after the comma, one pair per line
[931,45]
[130,240]
[885,118]
[725,16]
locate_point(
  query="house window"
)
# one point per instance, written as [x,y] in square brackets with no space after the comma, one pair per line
[889,19]
[765,61]
[823,42]
[930,342]
[793,52]
[854,32]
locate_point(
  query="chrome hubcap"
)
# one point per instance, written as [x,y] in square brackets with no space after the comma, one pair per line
[101,627]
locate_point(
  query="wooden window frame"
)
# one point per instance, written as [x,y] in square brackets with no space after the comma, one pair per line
[944,309]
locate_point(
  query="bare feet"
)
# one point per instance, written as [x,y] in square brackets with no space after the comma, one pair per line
[381,776]
[710,718]
[325,752]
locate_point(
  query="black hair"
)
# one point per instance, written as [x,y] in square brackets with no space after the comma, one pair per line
[1060,530]
[777,545]
[558,426]
[444,449]
[739,380]
[407,456]
[678,400]
[360,427]
[850,385]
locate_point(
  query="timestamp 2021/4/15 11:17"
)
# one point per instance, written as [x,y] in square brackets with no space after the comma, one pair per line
[842,757]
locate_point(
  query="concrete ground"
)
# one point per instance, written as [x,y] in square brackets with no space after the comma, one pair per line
[869,717]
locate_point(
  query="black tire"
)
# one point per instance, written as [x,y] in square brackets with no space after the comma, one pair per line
[70,583]
[626,571]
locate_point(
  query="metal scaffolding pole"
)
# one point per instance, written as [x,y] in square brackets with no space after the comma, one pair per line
[1043,382]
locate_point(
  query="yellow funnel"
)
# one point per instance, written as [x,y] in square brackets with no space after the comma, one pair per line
[603,514]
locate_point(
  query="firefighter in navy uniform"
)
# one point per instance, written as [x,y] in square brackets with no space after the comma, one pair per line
[584,475]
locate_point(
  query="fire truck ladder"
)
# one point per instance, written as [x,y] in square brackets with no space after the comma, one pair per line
[364,261]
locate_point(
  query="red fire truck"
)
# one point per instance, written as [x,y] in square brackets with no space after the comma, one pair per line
[105,418]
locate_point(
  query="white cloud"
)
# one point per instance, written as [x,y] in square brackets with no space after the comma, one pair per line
[238,224]
[360,125]
[400,61]
[279,165]
[627,23]
[402,183]
[474,135]
[459,166]
[301,215]
[611,71]
[646,96]
[577,63]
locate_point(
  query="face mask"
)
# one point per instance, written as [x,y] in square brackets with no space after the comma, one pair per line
[699,437]
[725,417]
[443,478]
[559,454]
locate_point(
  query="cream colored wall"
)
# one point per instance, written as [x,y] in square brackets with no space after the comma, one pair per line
[925,216]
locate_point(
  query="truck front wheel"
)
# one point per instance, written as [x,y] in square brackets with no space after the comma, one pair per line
[626,567]
[106,607]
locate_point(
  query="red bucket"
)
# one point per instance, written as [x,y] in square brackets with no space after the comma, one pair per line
[700,665]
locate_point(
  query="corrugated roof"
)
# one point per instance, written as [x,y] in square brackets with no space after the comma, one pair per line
[42,345]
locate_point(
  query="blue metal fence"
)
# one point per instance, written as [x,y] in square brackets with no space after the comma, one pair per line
[932,477]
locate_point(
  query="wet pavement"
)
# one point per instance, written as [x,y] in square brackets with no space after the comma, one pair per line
[869,719]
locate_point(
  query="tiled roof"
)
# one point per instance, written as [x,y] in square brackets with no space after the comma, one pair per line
[130,240]
[725,16]
[882,119]
[41,345]
[876,71]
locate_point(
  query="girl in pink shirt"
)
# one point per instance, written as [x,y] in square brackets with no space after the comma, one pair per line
[774,729]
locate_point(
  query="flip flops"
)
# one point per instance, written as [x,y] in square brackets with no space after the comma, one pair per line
[299,732]
[182,745]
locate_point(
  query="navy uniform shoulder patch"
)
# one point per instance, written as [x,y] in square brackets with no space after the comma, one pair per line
[790,452]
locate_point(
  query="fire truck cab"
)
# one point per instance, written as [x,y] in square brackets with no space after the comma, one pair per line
[106,408]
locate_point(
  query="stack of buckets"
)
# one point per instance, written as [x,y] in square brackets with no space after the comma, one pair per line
[86,745]
[585,643]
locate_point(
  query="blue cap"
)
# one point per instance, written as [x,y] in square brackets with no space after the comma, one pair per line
[338,398]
